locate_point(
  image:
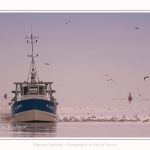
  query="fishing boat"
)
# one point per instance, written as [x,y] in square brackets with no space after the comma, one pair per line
[33,100]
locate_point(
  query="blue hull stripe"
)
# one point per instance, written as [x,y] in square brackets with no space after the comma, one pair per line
[31,104]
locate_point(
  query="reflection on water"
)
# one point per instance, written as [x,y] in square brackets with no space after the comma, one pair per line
[28,130]
[35,129]
[8,129]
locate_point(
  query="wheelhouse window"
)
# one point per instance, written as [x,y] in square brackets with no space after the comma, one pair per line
[41,90]
[25,90]
[33,90]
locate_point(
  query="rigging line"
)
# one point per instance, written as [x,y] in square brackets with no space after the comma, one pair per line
[9,120]
[38,31]
[61,111]
[29,72]
[4,108]
[23,28]
[31,26]
[36,72]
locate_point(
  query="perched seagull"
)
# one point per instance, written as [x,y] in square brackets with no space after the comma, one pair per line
[146,77]
[66,21]
[136,28]
[111,80]
[46,63]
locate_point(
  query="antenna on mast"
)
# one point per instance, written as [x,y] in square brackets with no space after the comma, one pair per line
[32,41]
[31,26]
[23,28]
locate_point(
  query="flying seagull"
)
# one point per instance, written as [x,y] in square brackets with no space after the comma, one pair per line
[107,75]
[136,28]
[146,77]
[66,21]
[46,63]
[111,80]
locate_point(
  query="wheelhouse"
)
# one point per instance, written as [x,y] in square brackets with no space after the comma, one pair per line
[40,90]
[33,90]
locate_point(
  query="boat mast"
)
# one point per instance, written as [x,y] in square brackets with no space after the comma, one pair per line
[34,71]
[32,51]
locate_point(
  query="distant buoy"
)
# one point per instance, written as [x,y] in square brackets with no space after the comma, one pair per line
[130,98]
[5,96]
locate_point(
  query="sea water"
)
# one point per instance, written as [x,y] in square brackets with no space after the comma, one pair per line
[83,123]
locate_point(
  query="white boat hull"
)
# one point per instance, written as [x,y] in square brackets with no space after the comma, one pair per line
[33,116]
[35,110]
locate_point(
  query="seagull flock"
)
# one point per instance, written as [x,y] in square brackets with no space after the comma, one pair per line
[103,118]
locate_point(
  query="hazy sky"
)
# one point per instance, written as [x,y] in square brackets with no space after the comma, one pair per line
[80,53]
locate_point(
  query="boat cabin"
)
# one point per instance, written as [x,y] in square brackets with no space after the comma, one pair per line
[40,90]
[33,90]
